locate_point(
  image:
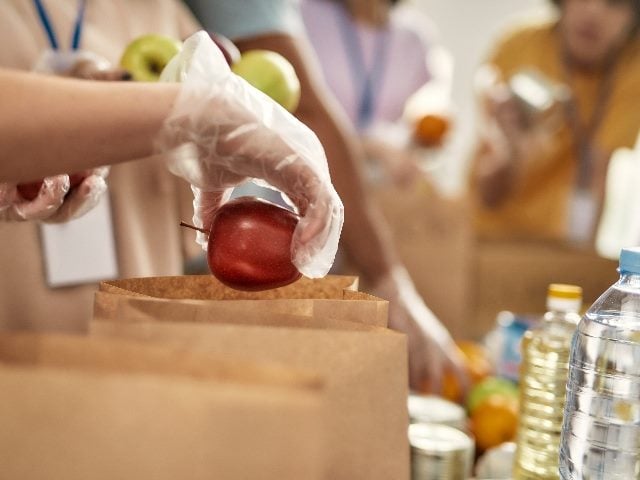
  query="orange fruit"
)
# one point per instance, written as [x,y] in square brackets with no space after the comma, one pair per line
[478,368]
[431,129]
[495,421]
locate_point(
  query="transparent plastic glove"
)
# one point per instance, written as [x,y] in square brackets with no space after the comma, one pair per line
[13,207]
[432,351]
[55,201]
[83,197]
[222,131]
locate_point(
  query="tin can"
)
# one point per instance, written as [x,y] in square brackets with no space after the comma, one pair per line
[440,452]
[539,98]
[434,409]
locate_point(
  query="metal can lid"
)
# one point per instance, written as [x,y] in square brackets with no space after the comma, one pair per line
[436,439]
[434,409]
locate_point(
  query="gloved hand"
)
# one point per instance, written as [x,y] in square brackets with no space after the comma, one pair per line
[13,207]
[83,197]
[54,203]
[432,350]
[223,131]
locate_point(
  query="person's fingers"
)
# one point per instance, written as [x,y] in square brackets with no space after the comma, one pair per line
[80,199]
[306,190]
[49,199]
[205,205]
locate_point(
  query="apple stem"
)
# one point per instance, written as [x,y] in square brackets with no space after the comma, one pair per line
[183,224]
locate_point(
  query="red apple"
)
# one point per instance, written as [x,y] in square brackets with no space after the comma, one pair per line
[250,245]
[29,191]
[76,179]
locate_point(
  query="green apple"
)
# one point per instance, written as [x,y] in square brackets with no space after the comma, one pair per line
[146,56]
[490,386]
[272,74]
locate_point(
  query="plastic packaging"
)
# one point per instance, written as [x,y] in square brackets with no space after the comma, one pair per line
[601,428]
[543,378]
[222,131]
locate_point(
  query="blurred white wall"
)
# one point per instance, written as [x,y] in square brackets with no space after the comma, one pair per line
[467,28]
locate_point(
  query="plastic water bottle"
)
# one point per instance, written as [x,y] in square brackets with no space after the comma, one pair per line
[601,427]
[543,379]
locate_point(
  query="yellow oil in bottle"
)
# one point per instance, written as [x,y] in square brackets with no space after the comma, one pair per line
[543,379]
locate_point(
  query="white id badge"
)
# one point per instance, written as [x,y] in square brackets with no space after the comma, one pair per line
[582,213]
[82,250]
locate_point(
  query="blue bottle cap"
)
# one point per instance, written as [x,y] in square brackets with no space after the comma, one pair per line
[630,260]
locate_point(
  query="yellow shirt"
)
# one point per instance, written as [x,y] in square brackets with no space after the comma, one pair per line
[147,202]
[537,206]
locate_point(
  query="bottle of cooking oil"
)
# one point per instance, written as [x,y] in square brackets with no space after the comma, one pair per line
[543,379]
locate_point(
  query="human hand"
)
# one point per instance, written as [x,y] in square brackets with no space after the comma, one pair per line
[56,201]
[79,64]
[223,131]
[503,108]
[82,197]
[14,207]
[432,351]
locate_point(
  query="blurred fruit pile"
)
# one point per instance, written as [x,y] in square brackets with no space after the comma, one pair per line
[491,402]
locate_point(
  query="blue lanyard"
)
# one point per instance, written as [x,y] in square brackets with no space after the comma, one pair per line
[367,83]
[48,26]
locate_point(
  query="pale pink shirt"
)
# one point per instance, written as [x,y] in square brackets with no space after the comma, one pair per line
[404,71]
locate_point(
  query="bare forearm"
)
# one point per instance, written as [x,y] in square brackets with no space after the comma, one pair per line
[50,125]
[364,235]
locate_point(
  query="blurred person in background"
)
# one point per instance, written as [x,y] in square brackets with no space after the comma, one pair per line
[51,125]
[558,98]
[277,25]
[375,57]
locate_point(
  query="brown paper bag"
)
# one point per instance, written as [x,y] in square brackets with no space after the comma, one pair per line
[364,367]
[330,297]
[73,408]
